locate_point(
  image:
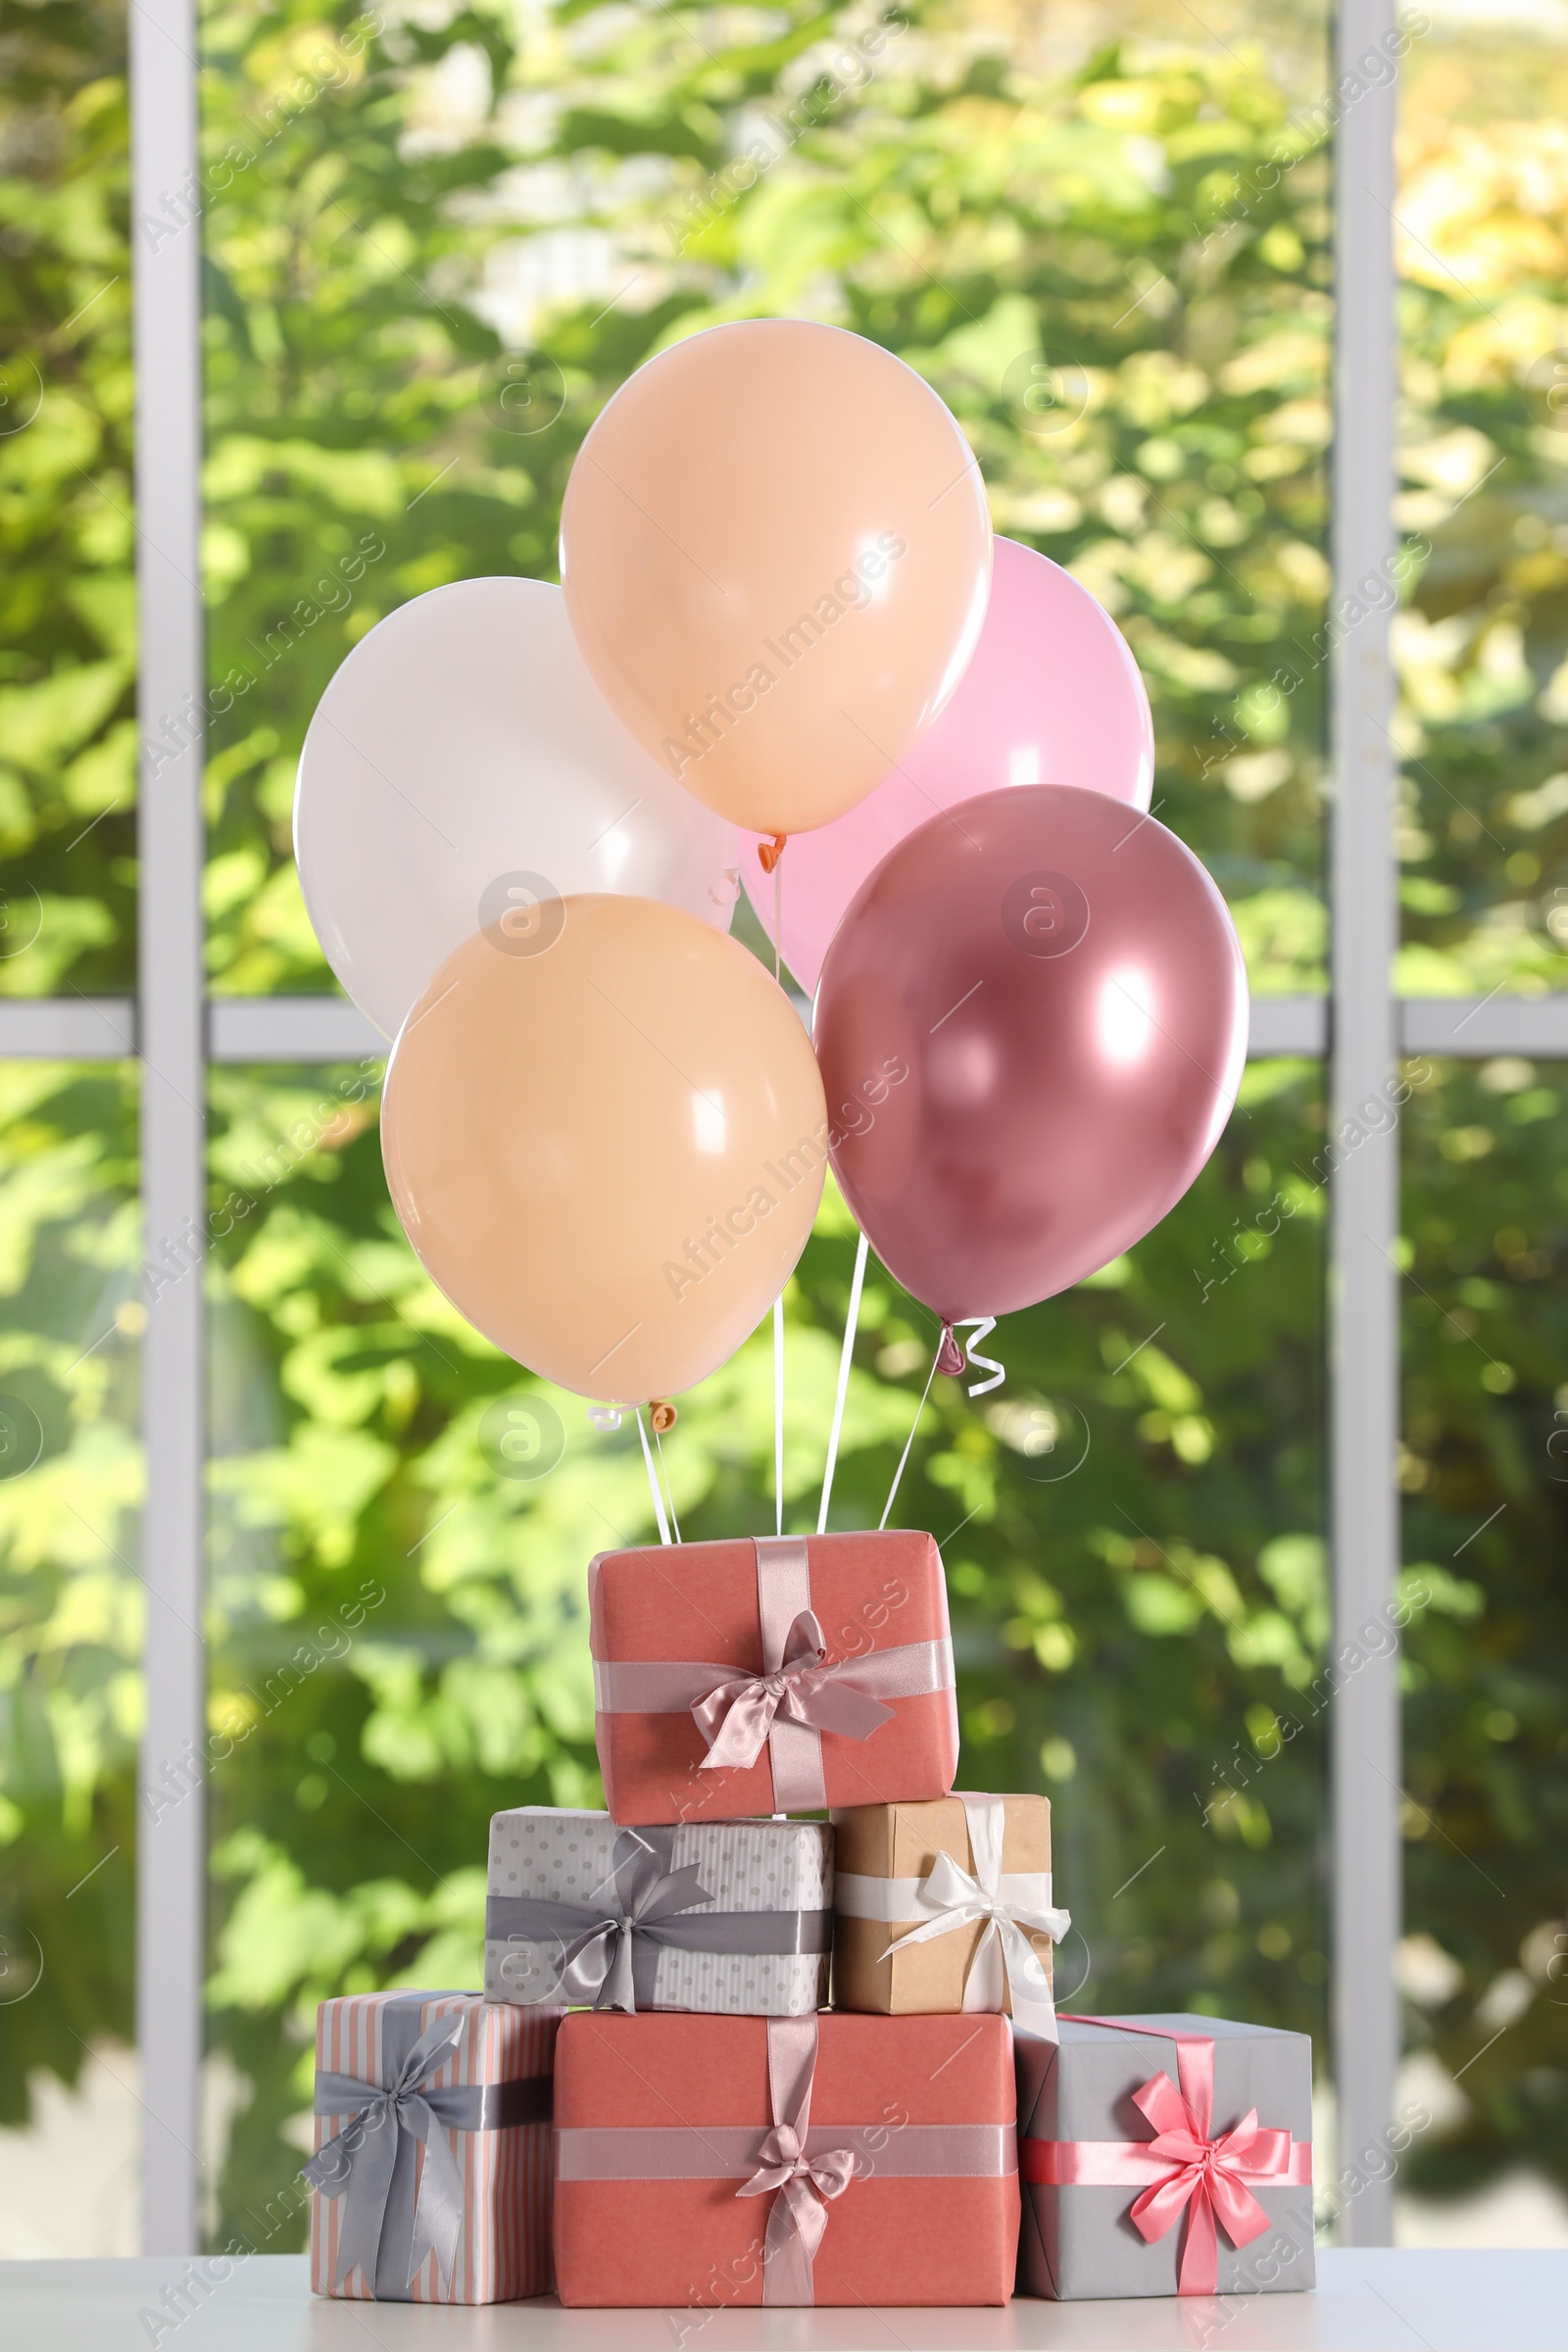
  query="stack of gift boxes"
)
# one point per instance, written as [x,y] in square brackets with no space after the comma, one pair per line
[653,2102]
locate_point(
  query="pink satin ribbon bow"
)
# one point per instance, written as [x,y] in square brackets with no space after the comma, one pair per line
[1208,2179]
[736,1718]
[804,2185]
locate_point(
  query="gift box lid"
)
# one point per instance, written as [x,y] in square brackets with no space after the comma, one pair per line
[699,1602]
[1081,2086]
[901,1839]
[568,1855]
[616,2072]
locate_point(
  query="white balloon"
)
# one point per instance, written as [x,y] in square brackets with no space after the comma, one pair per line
[461,756]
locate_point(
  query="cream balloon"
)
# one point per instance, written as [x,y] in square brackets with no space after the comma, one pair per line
[776,550]
[605,1137]
[461,750]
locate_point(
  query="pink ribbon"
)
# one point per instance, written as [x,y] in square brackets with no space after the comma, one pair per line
[805,2183]
[736,1718]
[1186,2171]
[796,1697]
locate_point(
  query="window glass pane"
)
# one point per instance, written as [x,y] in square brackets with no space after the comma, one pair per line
[438,240]
[68,645]
[401,1520]
[1484,1470]
[1482,651]
[71,1632]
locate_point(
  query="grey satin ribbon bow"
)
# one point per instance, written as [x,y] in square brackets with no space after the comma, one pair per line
[386,2231]
[612,1940]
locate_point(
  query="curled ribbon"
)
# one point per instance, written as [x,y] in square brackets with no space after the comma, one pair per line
[358,2162]
[737,1718]
[595,1967]
[954,1898]
[804,2185]
[983,1326]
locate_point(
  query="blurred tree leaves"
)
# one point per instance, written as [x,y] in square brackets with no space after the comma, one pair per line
[1482,651]
[68,738]
[560,193]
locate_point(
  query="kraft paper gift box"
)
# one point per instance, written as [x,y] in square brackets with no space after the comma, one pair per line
[734,1918]
[947,1906]
[771,1676]
[705,2160]
[1163,2155]
[431,2176]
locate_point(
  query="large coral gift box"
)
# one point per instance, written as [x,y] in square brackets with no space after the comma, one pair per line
[706,2161]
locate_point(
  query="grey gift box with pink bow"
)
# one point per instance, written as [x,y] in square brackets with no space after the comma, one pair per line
[1092,2150]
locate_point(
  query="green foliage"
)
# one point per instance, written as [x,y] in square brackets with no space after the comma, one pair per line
[1484,649]
[1484,1470]
[67,738]
[70,1602]
[1149,405]
[398,1636]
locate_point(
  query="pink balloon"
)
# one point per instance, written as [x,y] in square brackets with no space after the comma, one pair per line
[1052,695]
[1031,1026]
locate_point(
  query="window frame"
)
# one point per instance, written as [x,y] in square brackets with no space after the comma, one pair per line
[1361,1028]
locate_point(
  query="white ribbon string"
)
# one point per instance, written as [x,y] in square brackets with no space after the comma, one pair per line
[663,1471]
[1003,1956]
[896,1902]
[978,1326]
[778,1413]
[908,1440]
[652,1481]
[851,1324]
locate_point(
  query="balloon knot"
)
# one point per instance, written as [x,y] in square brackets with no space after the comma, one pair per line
[770,853]
[950,1355]
[663,1416]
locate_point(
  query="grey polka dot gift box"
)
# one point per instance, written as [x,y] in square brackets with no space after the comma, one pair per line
[730,1918]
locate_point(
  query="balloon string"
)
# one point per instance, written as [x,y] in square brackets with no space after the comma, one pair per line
[663,1470]
[850,1323]
[652,1481]
[778,923]
[778,1413]
[908,1441]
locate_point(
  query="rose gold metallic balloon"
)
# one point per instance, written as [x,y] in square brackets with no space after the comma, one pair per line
[775,550]
[604,1135]
[1062,986]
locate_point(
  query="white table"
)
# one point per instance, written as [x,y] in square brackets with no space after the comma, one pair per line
[1367,2301]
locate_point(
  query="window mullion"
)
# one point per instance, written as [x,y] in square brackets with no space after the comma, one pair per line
[1363,1298]
[171,1868]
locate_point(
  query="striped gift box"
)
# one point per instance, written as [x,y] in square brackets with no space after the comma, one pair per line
[504,2249]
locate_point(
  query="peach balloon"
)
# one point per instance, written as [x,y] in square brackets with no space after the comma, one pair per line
[605,1135]
[776,552]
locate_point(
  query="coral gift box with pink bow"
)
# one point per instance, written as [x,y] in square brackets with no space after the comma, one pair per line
[706,2161]
[771,1675]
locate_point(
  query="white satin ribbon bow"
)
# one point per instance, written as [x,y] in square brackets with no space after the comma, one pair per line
[1005,1957]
